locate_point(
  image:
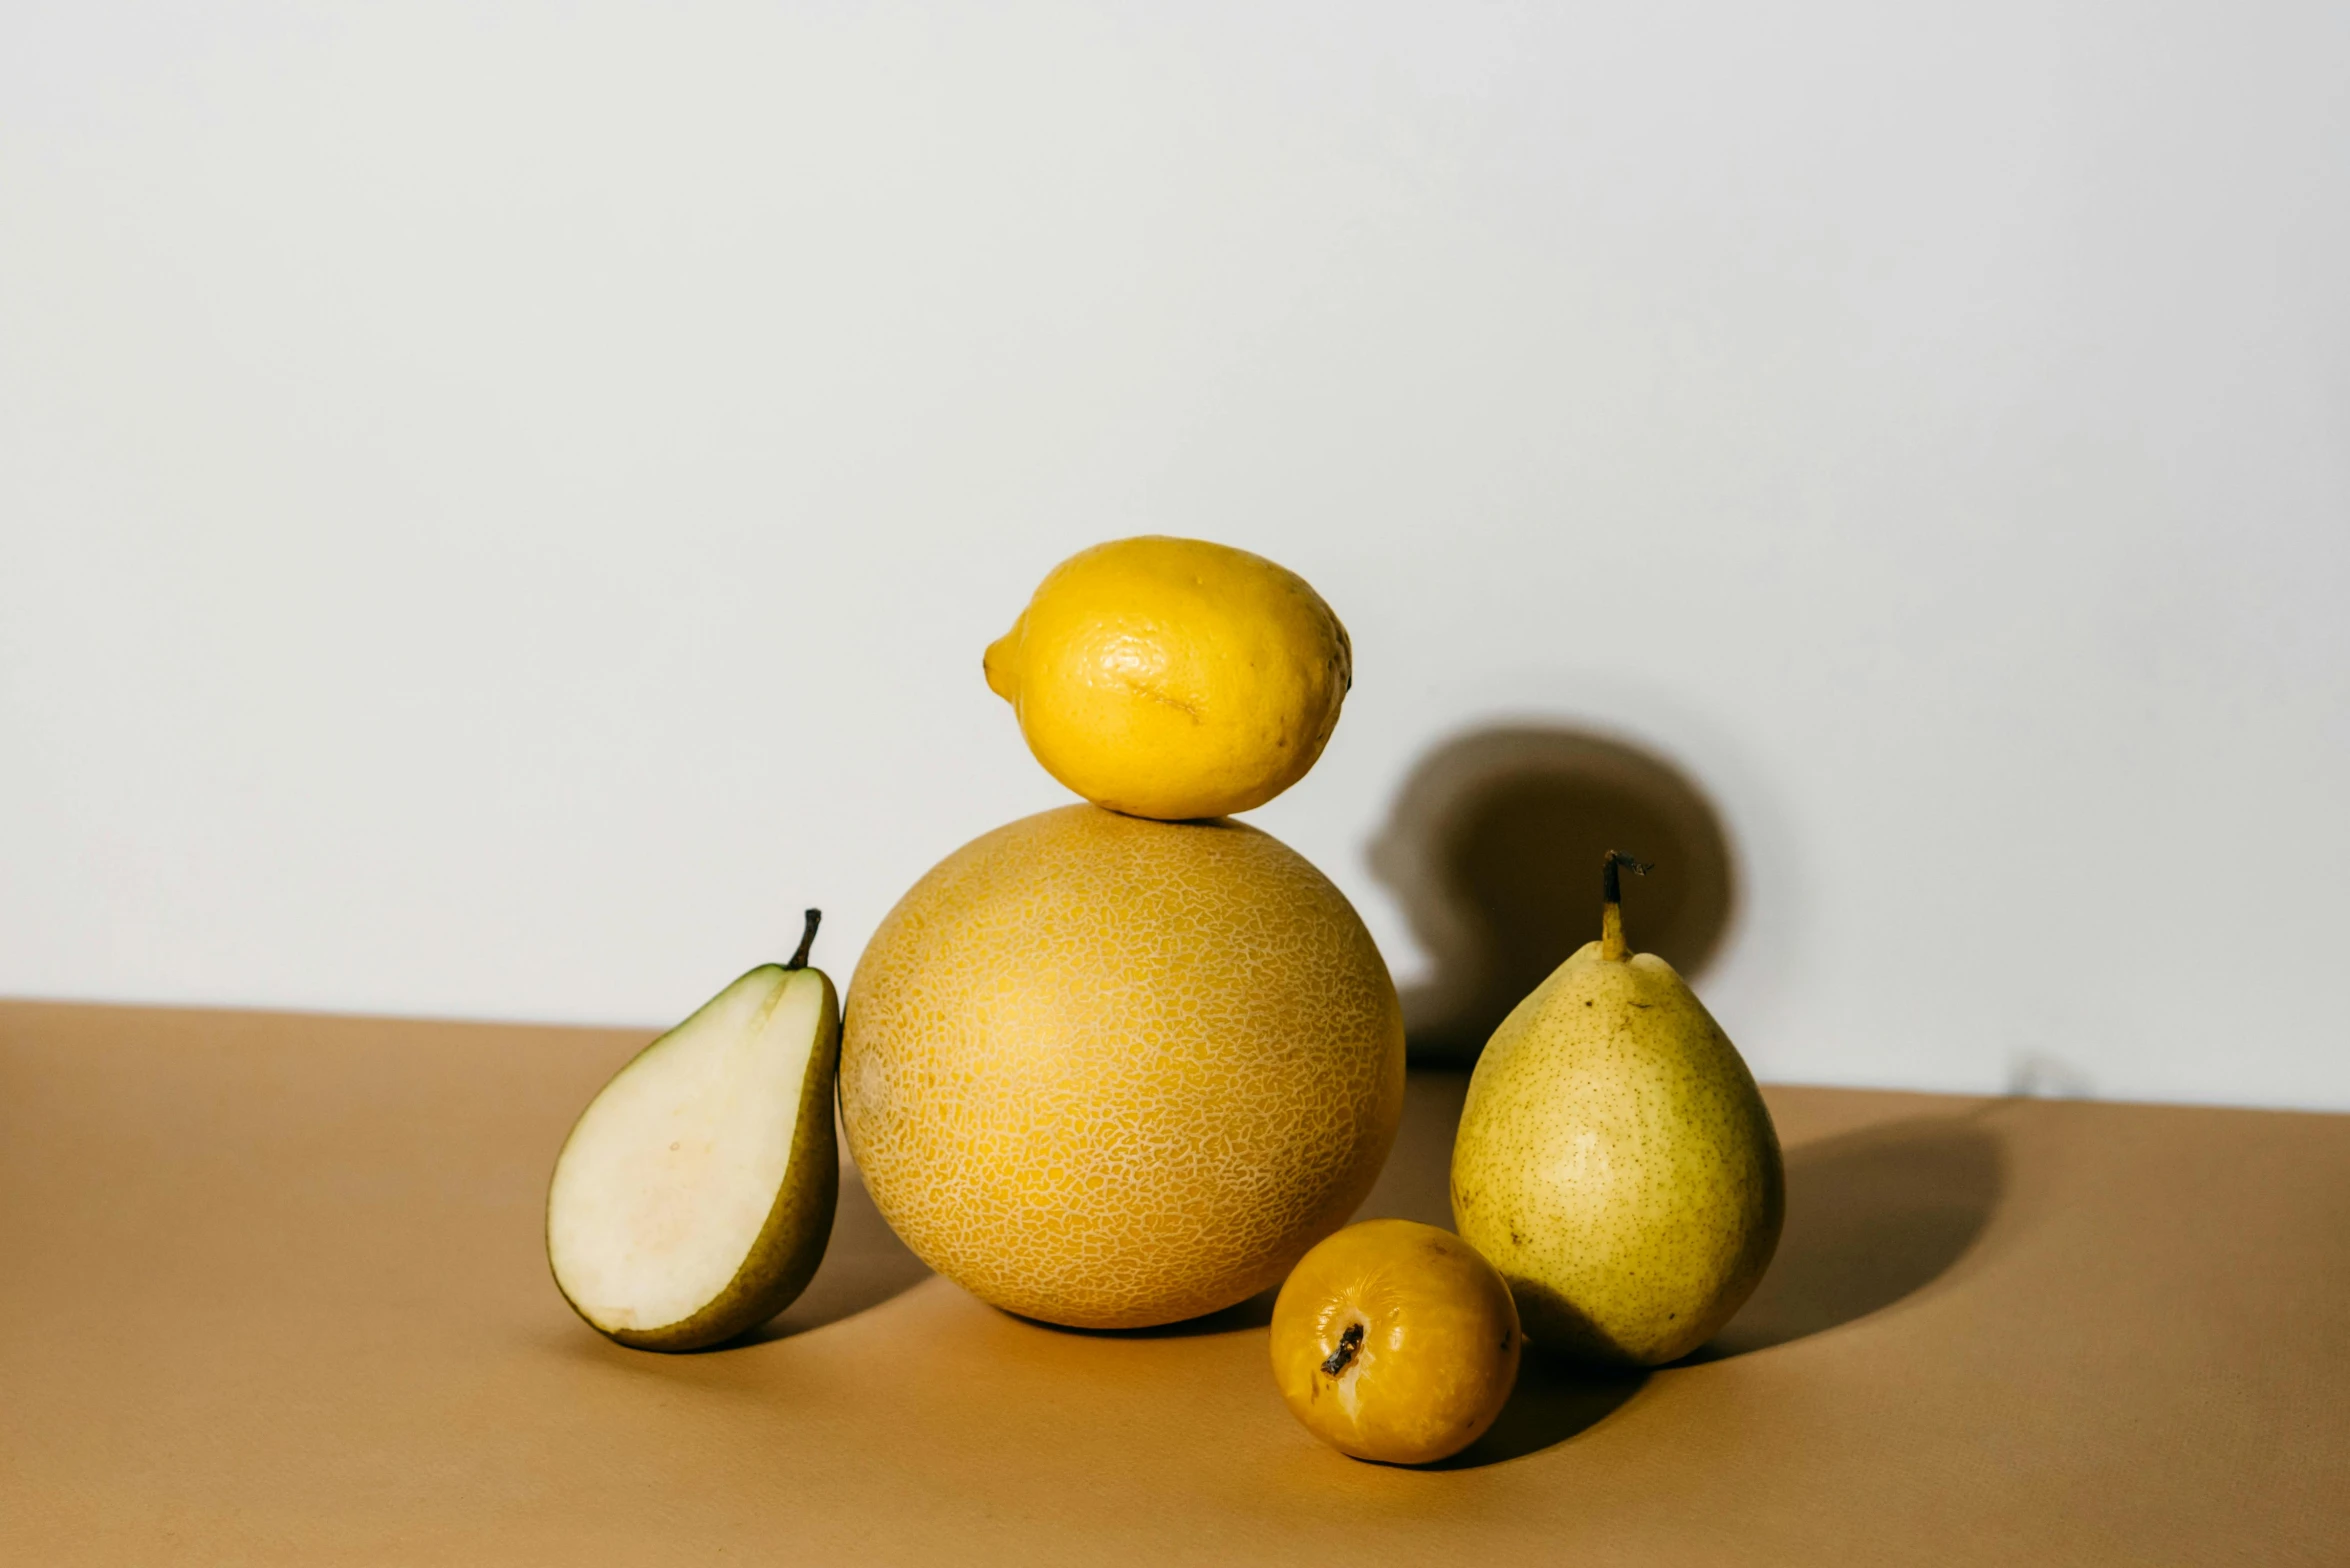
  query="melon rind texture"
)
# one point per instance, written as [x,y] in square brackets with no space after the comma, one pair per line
[1109,1073]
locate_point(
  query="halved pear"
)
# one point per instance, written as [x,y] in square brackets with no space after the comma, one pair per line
[694,1197]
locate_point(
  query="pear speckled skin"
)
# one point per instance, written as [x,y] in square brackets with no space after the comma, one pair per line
[1616,1163]
[1109,1072]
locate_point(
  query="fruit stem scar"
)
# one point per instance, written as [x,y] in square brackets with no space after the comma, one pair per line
[1348,1343]
[799,957]
[1611,902]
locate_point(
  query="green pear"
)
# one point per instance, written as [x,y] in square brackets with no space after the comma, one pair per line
[696,1193]
[1615,1160]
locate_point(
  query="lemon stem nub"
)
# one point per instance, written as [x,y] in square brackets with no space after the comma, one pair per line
[1348,1343]
[1611,902]
[799,957]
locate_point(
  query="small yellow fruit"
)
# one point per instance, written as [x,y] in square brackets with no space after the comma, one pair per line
[1110,1073]
[1174,678]
[1395,1341]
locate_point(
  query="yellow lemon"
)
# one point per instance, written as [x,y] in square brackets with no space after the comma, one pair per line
[1174,678]
[1109,1072]
[1396,1341]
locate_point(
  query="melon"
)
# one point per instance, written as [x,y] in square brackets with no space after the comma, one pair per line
[1109,1072]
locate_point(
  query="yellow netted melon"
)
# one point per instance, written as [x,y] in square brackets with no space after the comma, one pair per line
[1110,1072]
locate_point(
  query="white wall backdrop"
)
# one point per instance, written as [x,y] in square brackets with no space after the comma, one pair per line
[501,505]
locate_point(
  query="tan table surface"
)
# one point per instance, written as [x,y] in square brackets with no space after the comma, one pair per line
[274,1292]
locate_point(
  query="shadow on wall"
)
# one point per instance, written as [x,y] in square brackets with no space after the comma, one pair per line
[1493,848]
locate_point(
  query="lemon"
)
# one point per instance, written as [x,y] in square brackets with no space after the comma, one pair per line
[1174,678]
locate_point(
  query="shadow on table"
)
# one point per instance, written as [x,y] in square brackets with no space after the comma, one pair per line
[1872,1216]
[1416,1182]
[1555,1400]
[864,1265]
[1256,1312]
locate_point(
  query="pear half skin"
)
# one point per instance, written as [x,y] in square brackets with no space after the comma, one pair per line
[1615,1161]
[694,1197]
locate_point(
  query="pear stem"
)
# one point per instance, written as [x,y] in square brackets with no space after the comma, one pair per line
[1611,902]
[799,958]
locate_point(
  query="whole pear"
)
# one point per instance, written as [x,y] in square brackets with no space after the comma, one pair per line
[1615,1160]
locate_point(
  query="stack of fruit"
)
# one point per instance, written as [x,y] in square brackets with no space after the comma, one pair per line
[1126,1062]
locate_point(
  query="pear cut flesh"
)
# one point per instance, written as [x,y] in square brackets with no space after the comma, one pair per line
[695,1195]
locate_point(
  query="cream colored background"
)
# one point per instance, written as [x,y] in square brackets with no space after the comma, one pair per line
[499,506]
